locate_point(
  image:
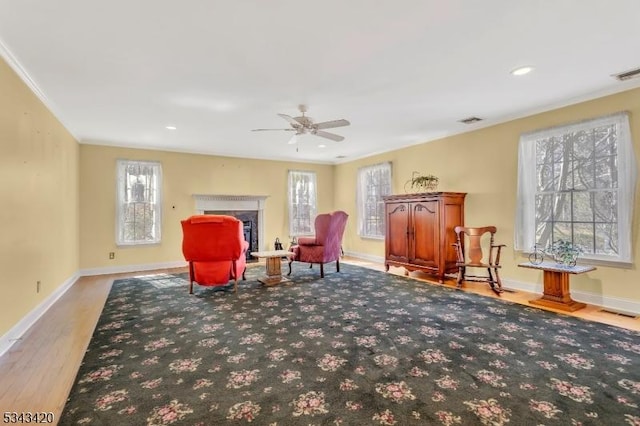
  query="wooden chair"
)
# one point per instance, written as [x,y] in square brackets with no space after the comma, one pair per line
[471,242]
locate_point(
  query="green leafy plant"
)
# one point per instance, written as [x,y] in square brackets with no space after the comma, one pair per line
[420,182]
[565,252]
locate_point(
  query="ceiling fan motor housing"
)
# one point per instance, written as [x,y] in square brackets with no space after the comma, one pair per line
[305,121]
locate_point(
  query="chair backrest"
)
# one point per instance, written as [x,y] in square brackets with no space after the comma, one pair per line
[207,238]
[329,226]
[473,244]
[329,231]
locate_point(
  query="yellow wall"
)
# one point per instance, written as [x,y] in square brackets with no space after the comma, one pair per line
[58,198]
[183,176]
[39,162]
[484,163]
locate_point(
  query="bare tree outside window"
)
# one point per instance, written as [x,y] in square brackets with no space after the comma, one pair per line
[139,207]
[582,179]
[374,182]
[577,192]
[302,202]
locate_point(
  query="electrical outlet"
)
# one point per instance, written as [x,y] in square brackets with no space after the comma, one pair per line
[37,286]
[112,255]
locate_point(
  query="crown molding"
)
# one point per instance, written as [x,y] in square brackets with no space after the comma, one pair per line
[22,73]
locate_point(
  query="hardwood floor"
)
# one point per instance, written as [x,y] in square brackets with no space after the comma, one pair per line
[37,373]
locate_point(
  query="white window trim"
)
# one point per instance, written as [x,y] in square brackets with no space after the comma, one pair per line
[361,190]
[314,206]
[120,174]
[524,237]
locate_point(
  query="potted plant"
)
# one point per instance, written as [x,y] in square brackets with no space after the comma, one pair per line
[422,183]
[565,253]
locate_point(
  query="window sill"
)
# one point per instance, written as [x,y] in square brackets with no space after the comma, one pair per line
[591,261]
[372,237]
[607,263]
[125,245]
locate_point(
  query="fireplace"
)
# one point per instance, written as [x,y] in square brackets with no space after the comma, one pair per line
[250,226]
[247,208]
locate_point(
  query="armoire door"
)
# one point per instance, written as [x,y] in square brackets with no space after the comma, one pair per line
[396,241]
[424,234]
[452,216]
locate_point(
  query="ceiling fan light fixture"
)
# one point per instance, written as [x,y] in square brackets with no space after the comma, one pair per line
[293,140]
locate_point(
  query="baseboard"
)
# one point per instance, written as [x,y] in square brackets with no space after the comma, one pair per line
[131,268]
[364,256]
[17,331]
[606,302]
[510,284]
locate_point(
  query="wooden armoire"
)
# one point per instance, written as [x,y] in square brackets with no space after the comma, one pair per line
[419,231]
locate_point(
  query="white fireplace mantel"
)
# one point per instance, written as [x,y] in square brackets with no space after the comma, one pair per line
[206,202]
[219,202]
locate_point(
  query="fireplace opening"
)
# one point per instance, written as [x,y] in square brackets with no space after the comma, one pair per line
[248,231]
[250,228]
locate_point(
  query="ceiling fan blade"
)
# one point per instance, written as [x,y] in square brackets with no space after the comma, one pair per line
[331,124]
[280,130]
[328,135]
[290,119]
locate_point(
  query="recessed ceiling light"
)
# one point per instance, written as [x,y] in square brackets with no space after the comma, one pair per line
[171,127]
[322,146]
[522,70]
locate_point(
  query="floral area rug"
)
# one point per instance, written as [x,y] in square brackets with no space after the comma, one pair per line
[359,347]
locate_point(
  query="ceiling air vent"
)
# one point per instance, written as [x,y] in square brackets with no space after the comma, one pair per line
[470,120]
[627,75]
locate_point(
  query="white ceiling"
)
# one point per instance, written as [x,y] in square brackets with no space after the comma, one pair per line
[403,71]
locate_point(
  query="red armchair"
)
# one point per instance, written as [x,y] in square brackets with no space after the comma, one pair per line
[215,248]
[326,246]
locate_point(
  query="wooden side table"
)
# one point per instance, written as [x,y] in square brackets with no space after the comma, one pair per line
[556,285]
[273,265]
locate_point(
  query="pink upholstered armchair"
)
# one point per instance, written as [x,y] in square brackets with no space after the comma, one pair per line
[215,248]
[326,246]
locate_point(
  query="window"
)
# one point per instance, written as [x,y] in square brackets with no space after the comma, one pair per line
[138,192]
[577,183]
[373,183]
[302,202]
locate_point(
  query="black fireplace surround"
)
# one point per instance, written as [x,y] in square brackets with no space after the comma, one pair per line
[249,220]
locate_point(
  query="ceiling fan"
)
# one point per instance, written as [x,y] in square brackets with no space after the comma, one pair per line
[303,125]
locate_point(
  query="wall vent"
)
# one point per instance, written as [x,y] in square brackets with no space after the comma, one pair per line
[620,313]
[627,75]
[470,120]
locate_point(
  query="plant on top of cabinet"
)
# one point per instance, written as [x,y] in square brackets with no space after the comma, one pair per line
[421,183]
